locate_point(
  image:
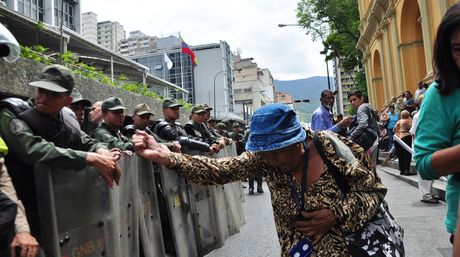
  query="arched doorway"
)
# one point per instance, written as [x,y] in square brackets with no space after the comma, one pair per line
[411,47]
[377,80]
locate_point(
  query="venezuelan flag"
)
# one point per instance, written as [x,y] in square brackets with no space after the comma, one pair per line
[187,50]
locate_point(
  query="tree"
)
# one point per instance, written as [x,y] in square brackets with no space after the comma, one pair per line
[336,23]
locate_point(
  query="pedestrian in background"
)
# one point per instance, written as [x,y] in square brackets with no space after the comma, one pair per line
[321,118]
[437,141]
[401,130]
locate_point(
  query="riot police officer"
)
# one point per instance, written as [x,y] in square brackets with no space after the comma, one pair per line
[167,128]
[109,130]
[45,132]
[170,130]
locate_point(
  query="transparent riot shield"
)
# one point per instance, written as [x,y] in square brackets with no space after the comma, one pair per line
[125,208]
[81,216]
[149,216]
[74,209]
[180,213]
[233,197]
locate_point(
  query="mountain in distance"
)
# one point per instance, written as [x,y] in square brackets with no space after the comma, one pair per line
[299,89]
[303,89]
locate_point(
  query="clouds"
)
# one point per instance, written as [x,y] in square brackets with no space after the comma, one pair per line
[248,25]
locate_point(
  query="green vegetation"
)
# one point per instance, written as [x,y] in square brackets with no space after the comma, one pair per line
[70,60]
[336,23]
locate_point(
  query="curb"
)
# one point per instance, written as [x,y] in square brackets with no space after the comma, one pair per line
[439,187]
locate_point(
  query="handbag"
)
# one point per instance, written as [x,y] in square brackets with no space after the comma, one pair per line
[382,236]
[366,139]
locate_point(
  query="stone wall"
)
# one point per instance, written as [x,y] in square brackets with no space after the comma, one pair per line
[14,79]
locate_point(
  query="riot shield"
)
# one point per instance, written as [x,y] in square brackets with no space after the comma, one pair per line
[180,214]
[149,216]
[74,211]
[125,208]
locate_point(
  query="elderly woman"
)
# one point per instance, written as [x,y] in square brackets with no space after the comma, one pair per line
[401,130]
[310,209]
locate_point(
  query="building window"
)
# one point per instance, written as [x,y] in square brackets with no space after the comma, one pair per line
[247,90]
[69,13]
[31,8]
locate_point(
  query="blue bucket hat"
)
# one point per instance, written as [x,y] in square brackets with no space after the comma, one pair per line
[273,127]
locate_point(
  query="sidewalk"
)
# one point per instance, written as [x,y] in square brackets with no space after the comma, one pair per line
[425,234]
[439,187]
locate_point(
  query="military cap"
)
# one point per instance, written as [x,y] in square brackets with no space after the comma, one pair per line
[78,98]
[236,124]
[56,78]
[221,125]
[142,109]
[112,104]
[207,107]
[198,108]
[170,102]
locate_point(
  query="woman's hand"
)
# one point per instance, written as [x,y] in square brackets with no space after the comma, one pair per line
[147,147]
[316,224]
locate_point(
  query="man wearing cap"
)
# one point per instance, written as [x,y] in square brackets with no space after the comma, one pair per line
[167,128]
[78,105]
[195,128]
[222,129]
[141,116]
[222,141]
[41,132]
[109,130]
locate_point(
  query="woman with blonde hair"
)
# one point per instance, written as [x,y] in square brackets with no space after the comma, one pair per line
[401,130]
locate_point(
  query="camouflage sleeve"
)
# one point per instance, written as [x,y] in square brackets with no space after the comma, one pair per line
[210,171]
[359,205]
[20,139]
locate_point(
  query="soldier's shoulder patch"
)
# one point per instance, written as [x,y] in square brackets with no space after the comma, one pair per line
[17,126]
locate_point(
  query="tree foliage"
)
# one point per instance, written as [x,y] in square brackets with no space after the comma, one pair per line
[336,24]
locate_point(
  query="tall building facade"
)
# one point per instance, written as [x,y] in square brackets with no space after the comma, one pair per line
[345,82]
[89,26]
[137,43]
[181,72]
[397,38]
[252,86]
[213,78]
[109,34]
[49,11]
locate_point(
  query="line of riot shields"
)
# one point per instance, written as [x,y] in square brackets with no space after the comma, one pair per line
[153,212]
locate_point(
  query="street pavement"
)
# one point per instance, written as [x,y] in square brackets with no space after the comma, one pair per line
[425,234]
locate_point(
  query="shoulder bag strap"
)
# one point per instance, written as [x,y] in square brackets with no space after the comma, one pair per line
[339,179]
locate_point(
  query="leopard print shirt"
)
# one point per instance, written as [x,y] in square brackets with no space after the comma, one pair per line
[352,211]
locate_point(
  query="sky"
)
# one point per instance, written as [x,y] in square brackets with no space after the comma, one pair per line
[250,26]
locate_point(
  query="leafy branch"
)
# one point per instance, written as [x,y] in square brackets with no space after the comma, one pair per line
[71,61]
